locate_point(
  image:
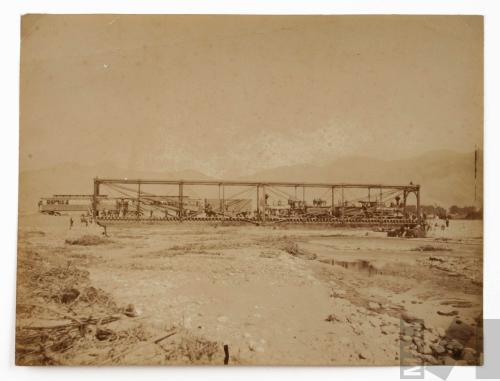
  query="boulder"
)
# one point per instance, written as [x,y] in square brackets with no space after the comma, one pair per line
[69,295]
[426,349]
[455,348]
[460,331]
[131,311]
[438,349]
[469,355]
[429,359]
[440,332]
[407,317]
[448,361]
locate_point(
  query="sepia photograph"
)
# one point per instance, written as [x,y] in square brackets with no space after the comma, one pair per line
[250,190]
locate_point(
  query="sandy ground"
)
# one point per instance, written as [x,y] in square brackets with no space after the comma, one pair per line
[337,298]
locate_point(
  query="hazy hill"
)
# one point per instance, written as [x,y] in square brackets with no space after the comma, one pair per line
[446,177]
[72,178]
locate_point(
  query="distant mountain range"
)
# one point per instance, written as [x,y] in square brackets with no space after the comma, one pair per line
[446,177]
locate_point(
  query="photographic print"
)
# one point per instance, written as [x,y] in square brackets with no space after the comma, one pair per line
[250,190]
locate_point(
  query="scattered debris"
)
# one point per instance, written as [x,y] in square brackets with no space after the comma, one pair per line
[88,240]
[293,249]
[431,248]
[332,318]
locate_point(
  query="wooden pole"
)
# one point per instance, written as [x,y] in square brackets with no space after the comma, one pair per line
[258,203]
[265,203]
[223,201]
[138,200]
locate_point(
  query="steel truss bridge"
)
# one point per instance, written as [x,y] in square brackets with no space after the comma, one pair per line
[181,207]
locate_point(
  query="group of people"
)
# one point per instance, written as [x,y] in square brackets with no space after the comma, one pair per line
[85,219]
[436,224]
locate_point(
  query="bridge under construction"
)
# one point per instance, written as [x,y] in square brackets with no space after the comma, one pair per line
[116,201]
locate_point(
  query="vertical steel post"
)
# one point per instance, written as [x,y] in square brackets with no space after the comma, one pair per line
[405,194]
[94,197]
[181,200]
[417,192]
[220,202]
[265,203]
[223,202]
[343,203]
[258,203]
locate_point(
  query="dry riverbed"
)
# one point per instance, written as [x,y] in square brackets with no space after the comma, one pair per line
[176,294]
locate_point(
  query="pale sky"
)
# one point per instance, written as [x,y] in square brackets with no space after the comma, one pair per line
[237,94]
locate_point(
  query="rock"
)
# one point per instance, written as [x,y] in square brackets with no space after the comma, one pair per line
[252,346]
[222,319]
[373,306]
[338,293]
[455,348]
[459,331]
[440,332]
[420,345]
[448,361]
[469,355]
[331,318]
[429,359]
[406,338]
[69,295]
[430,337]
[438,349]
[131,311]
[407,317]
[448,313]
[105,334]
[418,334]
[417,325]
[426,349]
